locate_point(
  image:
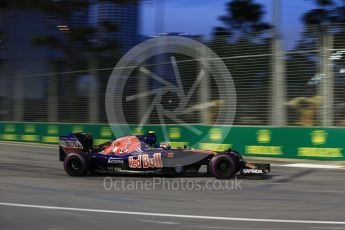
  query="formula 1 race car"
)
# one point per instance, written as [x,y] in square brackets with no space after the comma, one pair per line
[140,155]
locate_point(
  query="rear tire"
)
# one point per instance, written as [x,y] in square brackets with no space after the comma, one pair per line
[77,164]
[222,166]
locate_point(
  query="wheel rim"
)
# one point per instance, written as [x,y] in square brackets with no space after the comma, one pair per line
[223,167]
[75,165]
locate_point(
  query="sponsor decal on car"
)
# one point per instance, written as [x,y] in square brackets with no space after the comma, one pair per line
[113,160]
[250,171]
[73,144]
[144,161]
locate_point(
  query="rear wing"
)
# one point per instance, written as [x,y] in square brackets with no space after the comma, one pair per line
[75,143]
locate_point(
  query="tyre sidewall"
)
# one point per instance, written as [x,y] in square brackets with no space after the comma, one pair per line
[84,163]
[216,160]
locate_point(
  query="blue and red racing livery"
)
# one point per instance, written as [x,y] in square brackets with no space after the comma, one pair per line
[140,155]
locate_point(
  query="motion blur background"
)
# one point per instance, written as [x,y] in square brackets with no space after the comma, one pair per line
[286,57]
[287,62]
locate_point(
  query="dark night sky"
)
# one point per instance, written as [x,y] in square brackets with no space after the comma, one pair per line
[200,16]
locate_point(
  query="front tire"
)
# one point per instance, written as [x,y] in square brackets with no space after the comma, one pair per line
[77,164]
[222,166]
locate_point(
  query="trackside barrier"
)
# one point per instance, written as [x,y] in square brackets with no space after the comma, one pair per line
[284,142]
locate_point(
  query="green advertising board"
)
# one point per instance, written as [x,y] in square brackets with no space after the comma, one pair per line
[285,142]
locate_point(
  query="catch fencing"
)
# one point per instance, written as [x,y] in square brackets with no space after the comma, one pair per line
[297,80]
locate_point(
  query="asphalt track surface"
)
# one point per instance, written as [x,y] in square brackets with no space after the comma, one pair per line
[35,193]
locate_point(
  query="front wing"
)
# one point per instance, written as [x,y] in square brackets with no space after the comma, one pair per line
[256,169]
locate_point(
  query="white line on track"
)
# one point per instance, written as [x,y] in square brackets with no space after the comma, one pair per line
[172,215]
[158,222]
[329,228]
[316,166]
